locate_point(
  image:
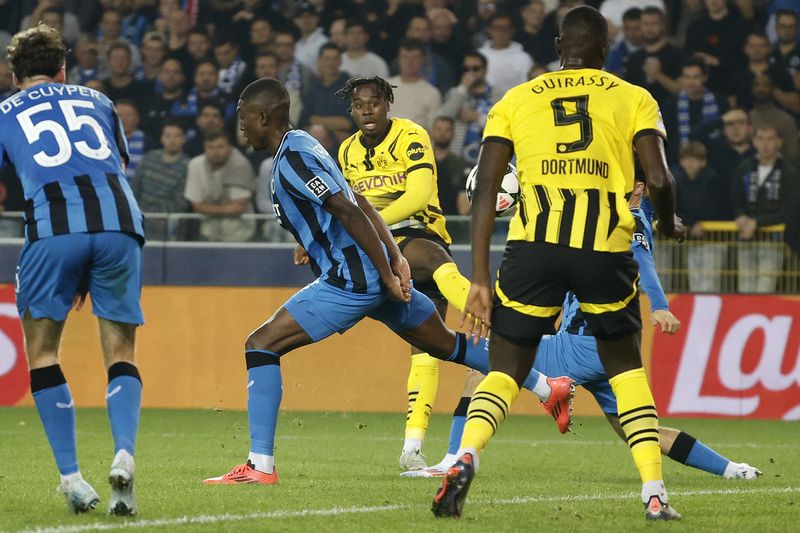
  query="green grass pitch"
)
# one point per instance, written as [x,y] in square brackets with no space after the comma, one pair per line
[338,473]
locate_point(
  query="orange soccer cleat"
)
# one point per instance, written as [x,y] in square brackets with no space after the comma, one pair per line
[559,405]
[244,473]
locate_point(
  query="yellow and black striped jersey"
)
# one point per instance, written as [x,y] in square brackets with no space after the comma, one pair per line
[572,132]
[380,173]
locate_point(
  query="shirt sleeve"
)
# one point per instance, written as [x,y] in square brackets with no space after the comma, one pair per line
[305,177]
[648,120]
[239,193]
[498,124]
[193,190]
[648,277]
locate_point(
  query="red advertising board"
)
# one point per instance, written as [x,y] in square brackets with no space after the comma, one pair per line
[736,356]
[14,378]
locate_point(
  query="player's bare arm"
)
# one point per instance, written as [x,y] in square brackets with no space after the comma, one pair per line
[492,162]
[397,262]
[660,183]
[358,225]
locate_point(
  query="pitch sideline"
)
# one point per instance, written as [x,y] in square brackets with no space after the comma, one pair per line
[338,511]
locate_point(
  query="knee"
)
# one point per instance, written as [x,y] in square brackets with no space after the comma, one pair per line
[260,339]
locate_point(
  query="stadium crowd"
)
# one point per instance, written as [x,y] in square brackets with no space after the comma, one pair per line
[725,74]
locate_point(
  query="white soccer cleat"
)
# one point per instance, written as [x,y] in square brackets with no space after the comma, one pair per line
[437,470]
[741,471]
[123,501]
[412,460]
[80,496]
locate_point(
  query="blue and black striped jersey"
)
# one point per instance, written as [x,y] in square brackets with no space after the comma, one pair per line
[303,176]
[68,147]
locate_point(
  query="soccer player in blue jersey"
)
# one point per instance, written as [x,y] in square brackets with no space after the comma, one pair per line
[361,273]
[83,233]
[572,352]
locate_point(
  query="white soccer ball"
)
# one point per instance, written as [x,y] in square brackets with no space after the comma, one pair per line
[507,196]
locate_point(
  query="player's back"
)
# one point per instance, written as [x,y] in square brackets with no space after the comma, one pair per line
[572,132]
[303,177]
[68,147]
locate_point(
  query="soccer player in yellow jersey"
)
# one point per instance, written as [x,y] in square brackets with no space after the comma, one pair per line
[573,132]
[390,162]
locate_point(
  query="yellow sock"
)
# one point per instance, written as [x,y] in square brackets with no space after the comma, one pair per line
[453,286]
[488,408]
[639,420]
[423,382]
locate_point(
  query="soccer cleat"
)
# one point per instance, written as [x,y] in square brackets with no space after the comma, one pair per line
[742,471]
[244,473]
[449,500]
[559,405]
[412,460]
[655,509]
[437,470]
[123,501]
[80,496]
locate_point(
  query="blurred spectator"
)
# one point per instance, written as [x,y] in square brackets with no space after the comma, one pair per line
[694,113]
[167,100]
[414,98]
[179,25]
[52,13]
[138,142]
[88,65]
[206,88]
[267,64]
[757,51]
[468,105]
[450,168]
[766,113]
[478,26]
[787,51]
[325,137]
[220,184]
[761,190]
[321,105]
[153,51]
[728,152]
[530,33]
[632,40]
[306,49]
[137,15]
[614,11]
[294,74]
[697,201]
[161,180]
[357,60]
[655,67]
[210,118]
[336,32]
[449,44]
[7,87]
[109,33]
[231,66]
[507,63]
[684,13]
[271,231]
[717,37]
[435,69]
[120,83]
[198,45]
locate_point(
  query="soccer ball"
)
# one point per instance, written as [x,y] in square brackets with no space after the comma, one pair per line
[507,196]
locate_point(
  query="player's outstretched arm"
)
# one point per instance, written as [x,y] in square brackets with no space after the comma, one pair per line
[651,285]
[362,231]
[660,183]
[419,188]
[397,261]
[492,162]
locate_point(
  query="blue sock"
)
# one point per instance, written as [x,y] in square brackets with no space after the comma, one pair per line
[57,412]
[457,427]
[264,393]
[691,452]
[124,401]
[468,354]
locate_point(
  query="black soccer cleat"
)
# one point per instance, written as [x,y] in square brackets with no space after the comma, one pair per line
[449,501]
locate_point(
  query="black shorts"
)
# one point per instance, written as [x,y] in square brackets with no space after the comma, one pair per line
[534,278]
[403,237]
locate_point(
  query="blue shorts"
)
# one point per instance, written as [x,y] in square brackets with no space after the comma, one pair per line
[108,265]
[576,356]
[322,310]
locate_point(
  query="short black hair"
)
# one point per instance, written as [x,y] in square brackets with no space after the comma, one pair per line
[57,10]
[38,51]
[269,95]
[203,61]
[695,62]
[653,10]
[175,123]
[225,38]
[384,87]
[480,56]
[786,13]
[126,101]
[211,103]
[584,29]
[354,21]
[412,44]
[213,135]
[329,46]
[633,13]
[119,45]
[444,118]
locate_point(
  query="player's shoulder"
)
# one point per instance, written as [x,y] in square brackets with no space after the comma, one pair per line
[642,230]
[407,129]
